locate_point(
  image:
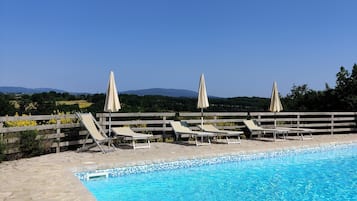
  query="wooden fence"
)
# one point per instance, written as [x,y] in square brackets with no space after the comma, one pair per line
[65,132]
[154,123]
[321,122]
[61,130]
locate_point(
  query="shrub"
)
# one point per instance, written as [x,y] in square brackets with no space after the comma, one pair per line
[29,145]
[20,123]
[2,151]
[63,120]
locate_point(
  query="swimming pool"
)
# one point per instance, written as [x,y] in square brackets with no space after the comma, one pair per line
[327,173]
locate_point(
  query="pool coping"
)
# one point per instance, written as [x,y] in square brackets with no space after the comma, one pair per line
[162,165]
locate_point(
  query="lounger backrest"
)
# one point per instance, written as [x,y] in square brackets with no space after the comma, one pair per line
[251,125]
[177,126]
[209,128]
[88,122]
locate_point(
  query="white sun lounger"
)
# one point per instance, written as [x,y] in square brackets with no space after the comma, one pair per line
[253,128]
[299,131]
[95,131]
[181,130]
[129,135]
[223,133]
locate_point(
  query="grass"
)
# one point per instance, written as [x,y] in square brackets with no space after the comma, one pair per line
[81,103]
[15,104]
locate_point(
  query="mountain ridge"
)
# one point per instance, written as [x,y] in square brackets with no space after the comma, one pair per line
[24,90]
[163,92]
[139,92]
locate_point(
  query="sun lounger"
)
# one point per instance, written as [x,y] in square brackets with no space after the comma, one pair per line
[226,134]
[181,130]
[95,131]
[299,131]
[129,135]
[254,128]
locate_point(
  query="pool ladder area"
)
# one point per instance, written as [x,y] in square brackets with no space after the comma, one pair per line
[96,175]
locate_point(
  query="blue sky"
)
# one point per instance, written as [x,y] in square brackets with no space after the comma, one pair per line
[241,46]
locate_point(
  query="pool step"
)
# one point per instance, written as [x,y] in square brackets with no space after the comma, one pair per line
[96,175]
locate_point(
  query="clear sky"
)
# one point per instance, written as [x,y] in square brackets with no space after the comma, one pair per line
[241,46]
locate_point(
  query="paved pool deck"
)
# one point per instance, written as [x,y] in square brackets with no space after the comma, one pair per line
[51,177]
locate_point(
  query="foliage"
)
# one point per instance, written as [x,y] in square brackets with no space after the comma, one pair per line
[63,120]
[346,88]
[98,103]
[238,104]
[342,98]
[2,151]
[301,98]
[6,106]
[20,123]
[225,124]
[82,104]
[41,103]
[29,145]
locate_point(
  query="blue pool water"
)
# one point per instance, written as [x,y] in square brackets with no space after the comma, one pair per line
[316,174]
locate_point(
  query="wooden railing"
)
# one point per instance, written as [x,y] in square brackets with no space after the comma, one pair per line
[65,135]
[321,122]
[50,128]
[157,123]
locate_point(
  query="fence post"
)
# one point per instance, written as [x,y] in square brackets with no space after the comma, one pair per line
[298,120]
[332,123]
[215,120]
[1,134]
[58,138]
[164,128]
[102,121]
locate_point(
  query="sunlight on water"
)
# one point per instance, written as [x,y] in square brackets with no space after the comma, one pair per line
[325,175]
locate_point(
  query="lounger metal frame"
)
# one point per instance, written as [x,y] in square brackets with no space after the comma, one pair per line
[226,134]
[181,130]
[253,128]
[127,134]
[96,132]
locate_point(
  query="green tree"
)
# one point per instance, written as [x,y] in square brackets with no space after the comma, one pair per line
[296,100]
[346,89]
[6,108]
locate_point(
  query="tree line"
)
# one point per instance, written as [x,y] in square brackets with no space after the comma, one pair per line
[47,103]
[343,97]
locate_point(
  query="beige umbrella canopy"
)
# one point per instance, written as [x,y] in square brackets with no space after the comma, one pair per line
[112,103]
[275,104]
[202,96]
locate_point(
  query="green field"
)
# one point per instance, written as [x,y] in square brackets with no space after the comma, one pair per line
[81,103]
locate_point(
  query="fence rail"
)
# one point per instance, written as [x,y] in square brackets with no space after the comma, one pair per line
[321,122]
[64,131]
[153,123]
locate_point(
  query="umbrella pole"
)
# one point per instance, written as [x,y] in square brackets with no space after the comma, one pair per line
[110,124]
[201,123]
[201,118]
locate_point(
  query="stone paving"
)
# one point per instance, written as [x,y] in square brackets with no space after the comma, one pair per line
[51,177]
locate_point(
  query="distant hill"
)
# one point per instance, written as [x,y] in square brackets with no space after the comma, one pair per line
[23,90]
[141,92]
[163,92]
